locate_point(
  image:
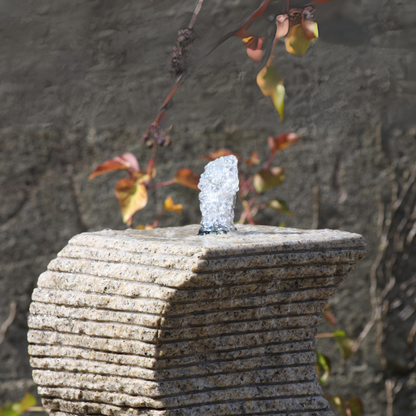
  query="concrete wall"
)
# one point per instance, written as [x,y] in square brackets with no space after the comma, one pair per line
[80,81]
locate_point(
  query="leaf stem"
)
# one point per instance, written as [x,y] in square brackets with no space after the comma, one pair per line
[261,206]
[327,335]
[156,222]
[269,161]
[159,185]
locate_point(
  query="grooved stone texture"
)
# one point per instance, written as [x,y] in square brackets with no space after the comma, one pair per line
[167,323]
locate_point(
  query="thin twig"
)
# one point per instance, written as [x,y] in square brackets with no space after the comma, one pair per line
[8,321]
[392,389]
[195,15]
[390,397]
[411,335]
[315,204]
[328,335]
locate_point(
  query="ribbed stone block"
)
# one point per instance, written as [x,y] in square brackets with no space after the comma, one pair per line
[167,323]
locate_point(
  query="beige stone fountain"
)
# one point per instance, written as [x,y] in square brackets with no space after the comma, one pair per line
[168,323]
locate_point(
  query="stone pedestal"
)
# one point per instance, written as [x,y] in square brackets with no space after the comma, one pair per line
[166,323]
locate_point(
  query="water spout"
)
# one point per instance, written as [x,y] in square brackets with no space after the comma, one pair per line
[219,186]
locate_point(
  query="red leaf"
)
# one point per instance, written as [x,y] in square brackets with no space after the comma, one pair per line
[126,161]
[187,178]
[282,26]
[282,141]
[218,153]
[254,48]
[309,28]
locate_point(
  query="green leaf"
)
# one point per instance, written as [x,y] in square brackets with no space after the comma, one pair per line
[345,344]
[268,179]
[279,205]
[28,401]
[16,408]
[323,367]
[356,406]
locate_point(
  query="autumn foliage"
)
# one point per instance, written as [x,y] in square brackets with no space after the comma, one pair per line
[132,192]
[293,32]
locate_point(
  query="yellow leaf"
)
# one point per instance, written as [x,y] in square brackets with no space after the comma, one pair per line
[268,79]
[131,196]
[278,99]
[170,206]
[271,85]
[297,43]
[145,227]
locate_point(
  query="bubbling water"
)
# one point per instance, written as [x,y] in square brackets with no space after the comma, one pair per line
[219,186]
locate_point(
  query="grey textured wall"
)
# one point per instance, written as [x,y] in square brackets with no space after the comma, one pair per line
[81,80]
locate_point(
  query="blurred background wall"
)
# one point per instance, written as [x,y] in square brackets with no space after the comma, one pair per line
[80,81]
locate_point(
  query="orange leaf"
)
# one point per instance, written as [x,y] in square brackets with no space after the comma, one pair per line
[126,161]
[187,178]
[218,153]
[282,141]
[131,196]
[254,158]
[170,206]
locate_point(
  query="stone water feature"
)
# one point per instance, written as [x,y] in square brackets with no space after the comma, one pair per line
[166,322]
